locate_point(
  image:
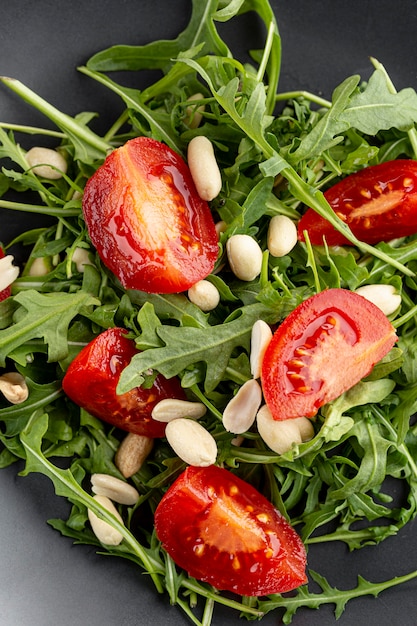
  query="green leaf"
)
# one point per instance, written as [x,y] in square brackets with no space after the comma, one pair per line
[322,136]
[376,108]
[159,54]
[45,316]
[185,346]
[16,416]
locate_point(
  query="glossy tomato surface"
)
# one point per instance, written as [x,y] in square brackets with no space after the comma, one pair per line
[91,382]
[378,203]
[147,221]
[325,346]
[222,531]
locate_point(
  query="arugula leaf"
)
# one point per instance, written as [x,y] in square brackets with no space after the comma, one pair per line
[159,54]
[45,316]
[184,346]
[329,595]
[376,108]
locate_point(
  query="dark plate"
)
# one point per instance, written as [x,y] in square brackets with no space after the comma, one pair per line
[44,579]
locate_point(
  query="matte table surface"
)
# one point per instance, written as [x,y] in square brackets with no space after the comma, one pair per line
[44,579]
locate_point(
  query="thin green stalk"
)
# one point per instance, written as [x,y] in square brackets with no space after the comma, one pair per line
[39,209]
[312,97]
[63,121]
[115,127]
[32,130]
[406,317]
[193,585]
[266,53]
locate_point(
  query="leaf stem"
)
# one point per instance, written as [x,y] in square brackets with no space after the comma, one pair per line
[39,209]
[63,121]
[32,130]
[312,97]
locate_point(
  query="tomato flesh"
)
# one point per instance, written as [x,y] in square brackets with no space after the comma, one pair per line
[222,531]
[91,381]
[325,346]
[378,203]
[147,221]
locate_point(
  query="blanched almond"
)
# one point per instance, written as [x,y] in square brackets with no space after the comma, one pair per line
[245,256]
[46,162]
[170,408]
[240,412]
[260,338]
[281,435]
[204,294]
[114,489]
[191,442]
[282,235]
[8,271]
[13,387]
[385,297]
[194,113]
[203,167]
[104,532]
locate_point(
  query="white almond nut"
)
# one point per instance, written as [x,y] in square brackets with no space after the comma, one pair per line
[281,435]
[8,271]
[81,257]
[203,167]
[306,428]
[221,226]
[104,532]
[40,266]
[169,409]
[245,256]
[194,114]
[282,235]
[205,295]
[132,453]
[260,337]
[114,489]
[46,162]
[191,442]
[240,412]
[383,296]
[13,387]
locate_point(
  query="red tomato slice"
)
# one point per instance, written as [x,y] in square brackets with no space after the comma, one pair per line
[222,531]
[378,203]
[147,221]
[91,381]
[325,346]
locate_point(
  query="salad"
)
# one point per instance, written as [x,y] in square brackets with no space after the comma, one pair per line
[333,483]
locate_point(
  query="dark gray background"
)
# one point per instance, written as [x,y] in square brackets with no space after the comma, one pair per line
[44,580]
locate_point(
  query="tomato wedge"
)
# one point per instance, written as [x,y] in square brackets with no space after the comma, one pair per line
[325,346]
[91,381]
[378,203]
[222,531]
[147,221]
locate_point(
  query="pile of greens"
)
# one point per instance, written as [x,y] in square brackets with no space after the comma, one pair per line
[335,487]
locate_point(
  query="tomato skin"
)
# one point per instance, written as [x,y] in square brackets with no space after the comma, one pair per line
[325,346]
[222,531]
[379,203]
[91,381]
[147,221]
